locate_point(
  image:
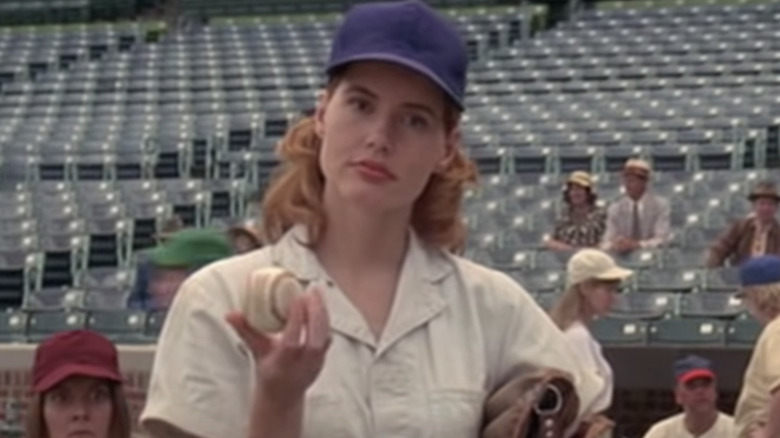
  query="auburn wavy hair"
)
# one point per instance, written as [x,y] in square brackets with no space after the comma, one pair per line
[765,298]
[295,193]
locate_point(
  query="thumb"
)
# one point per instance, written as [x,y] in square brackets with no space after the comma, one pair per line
[258,342]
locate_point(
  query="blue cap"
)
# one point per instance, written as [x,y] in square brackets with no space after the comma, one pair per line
[409,33]
[693,367]
[760,271]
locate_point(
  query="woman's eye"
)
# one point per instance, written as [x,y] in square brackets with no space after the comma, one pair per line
[100,394]
[359,104]
[416,121]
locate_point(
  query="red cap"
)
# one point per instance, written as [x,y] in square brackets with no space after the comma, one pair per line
[74,353]
[696,374]
[693,367]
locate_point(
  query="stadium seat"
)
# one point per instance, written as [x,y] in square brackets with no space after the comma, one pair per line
[42,324]
[621,332]
[743,332]
[643,305]
[13,326]
[710,305]
[688,332]
[120,326]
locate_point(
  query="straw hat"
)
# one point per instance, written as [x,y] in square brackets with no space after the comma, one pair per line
[582,179]
[640,168]
[764,189]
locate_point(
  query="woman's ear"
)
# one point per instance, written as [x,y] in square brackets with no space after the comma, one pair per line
[451,145]
[319,113]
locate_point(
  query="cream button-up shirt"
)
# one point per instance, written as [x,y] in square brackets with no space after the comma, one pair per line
[455,333]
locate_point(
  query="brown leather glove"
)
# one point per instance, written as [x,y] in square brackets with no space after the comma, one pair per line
[538,404]
[597,426]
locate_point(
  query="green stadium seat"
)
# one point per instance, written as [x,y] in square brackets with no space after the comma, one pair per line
[743,332]
[688,332]
[620,332]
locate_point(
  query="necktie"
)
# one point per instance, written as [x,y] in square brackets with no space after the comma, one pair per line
[636,228]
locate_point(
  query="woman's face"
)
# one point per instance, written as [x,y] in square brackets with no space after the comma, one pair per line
[79,407]
[383,136]
[578,195]
[600,296]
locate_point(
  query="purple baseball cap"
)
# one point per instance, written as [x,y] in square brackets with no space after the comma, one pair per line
[409,33]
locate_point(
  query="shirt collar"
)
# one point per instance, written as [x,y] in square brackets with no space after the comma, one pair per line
[291,253]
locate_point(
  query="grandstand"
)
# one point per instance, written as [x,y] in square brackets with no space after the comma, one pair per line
[107,128]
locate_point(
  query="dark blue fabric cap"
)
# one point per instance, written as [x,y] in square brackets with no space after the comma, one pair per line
[692,367]
[409,33]
[760,271]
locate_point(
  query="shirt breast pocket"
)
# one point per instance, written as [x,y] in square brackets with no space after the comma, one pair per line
[324,416]
[456,413]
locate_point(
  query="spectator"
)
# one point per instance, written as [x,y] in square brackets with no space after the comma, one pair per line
[697,393]
[755,235]
[184,253]
[77,389]
[758,408]
[139,296]
[592,279]
[583,222]
[640,219]
[245,238]
[396,337]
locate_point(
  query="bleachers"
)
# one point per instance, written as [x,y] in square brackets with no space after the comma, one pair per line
[106,129]
[103,132]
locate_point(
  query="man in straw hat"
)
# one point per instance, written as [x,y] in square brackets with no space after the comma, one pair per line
[639,219]
[754,235]
[758,409]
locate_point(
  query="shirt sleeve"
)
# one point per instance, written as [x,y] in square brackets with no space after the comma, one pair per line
[655,431]
[531,340]
[770,355]
[610,231]
[587,353]
[662,228]
[139,297]
[201,376]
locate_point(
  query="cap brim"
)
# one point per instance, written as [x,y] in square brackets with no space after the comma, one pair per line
[71,370]
[164,258]
[404,62]
[615,274]
[753,196]
[696,374]
[638,171]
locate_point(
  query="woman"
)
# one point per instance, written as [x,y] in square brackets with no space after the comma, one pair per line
[77,389]
[592,279]
[757,414]
[584,222]
[397,337]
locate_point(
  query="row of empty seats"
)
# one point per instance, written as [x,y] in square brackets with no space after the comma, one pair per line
[138,326]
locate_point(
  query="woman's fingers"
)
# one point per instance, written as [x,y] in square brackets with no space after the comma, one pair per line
[259,343]
[307,329]
[293,333]
[317,322]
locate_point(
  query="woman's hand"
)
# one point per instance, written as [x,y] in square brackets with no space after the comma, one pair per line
[289,362]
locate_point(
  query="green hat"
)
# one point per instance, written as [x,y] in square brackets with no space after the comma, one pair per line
[192,248]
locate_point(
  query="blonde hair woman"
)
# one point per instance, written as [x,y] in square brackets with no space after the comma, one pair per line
[758,409]
[77,389]
[592,279]
[397,337]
